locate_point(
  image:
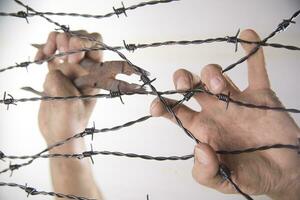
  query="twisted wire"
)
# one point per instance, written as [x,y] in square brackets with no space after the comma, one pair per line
[33,191]
[149,157]
[117,11]
[221,97]
[133,47]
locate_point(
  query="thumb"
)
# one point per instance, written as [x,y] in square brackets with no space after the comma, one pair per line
[206,166]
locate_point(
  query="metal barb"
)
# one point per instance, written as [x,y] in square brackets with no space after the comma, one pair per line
[2,156]
[89,131]
[119,11]
[225,98]
[117,93]
[234,39]
[8,101]
[284,24]
[129,47]
[13,167]
[64,28]
[30,190]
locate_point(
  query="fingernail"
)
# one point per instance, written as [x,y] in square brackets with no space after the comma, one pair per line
[182,84]
[201,156]
[216,84]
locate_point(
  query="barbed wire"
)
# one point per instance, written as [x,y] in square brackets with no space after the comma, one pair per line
[32,191]
[148,157]
[222,97]
[224,171]
[132,47]
[116,11]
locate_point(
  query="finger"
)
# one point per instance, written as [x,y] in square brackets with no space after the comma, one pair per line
[216,82]
[119,67]
[257,72]
[57,84]
[78,43]
[62,43]
[184,113]
[39,55]
[206,166]
[184,80]
[50,46]
[95,55]
[72,72]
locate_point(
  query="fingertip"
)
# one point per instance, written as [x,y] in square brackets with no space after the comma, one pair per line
[156,110]
[182,79]
[213,78]
[249,35]
[39,55]
[50,46]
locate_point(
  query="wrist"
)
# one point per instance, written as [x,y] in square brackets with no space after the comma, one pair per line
[73,146]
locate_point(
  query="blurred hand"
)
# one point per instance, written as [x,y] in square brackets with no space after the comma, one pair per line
[61,119]
[273,172]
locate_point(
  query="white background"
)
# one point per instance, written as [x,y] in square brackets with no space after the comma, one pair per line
[131,179]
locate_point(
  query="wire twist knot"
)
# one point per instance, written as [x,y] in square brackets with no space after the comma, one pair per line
[30,190]
[129,47]
[8,101]
[284,24]
[146,80]
[64,28]
[88,154]
[119,11]
[23,14]
[225,98]
[234,39]
[89,131]
[2,156]
[224,172]
[187,96]
[117,93]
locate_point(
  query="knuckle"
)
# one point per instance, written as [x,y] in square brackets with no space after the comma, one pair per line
[97,36]
[75,40]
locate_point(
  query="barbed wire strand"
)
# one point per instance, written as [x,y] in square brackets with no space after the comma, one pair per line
[32,191]
[221,97]
[116,11]
[148,157]
[133,47]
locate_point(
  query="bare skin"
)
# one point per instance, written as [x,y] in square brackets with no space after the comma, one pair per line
[273,172]
[59,120]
